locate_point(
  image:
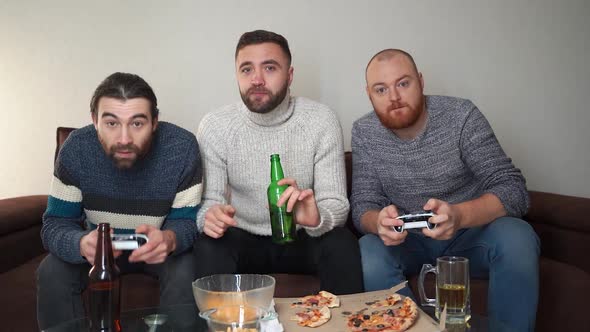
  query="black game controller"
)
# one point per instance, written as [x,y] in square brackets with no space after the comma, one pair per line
[128,241]
[415,220]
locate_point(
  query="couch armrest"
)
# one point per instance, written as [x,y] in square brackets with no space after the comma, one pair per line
[20,226]
[563,225]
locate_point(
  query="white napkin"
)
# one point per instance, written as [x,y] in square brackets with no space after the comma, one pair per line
[272,325]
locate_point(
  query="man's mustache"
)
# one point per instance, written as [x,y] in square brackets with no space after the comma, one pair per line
[257,90]
[394,106]
[126,148]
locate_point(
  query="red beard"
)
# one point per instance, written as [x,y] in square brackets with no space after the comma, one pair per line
[395,117]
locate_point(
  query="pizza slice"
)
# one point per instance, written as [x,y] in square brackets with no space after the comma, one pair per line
[387,320]
[387,302]
[321,299]
[312,317]
[408,311]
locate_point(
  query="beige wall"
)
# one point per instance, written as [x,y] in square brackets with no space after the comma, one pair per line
[524,63]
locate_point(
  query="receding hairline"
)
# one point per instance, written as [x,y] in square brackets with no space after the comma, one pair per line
[388,54]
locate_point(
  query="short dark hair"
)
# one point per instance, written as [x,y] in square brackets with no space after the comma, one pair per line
[124,86]
[263,36]
[389,53]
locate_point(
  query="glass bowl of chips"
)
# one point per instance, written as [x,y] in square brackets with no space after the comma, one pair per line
[221,290]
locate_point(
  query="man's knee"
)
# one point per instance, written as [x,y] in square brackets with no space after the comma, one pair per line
[374,253]
[206,247]
[340,239]
[371,246]
[176,279]
[181,267]
[215,256]
[59,285]
[54,271]
[232,240]
[515,237]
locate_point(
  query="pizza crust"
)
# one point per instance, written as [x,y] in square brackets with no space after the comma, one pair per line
[334,301]
[321,299]
[387,302]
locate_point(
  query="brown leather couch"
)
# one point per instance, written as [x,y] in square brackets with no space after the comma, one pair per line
[562,223]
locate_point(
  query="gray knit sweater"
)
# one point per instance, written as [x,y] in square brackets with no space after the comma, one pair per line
[457,158]
[236,145]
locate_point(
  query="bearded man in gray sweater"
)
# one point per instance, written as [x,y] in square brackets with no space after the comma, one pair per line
[416,153]
[237,141]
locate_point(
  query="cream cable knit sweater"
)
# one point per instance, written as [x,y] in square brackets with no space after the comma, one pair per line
[236,145]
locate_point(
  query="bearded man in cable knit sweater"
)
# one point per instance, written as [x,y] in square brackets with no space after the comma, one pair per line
[133,172]
[416,153]
[237,142]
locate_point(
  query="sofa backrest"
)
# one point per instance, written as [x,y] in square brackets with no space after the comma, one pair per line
[60,137]
[560,221]
[563,225]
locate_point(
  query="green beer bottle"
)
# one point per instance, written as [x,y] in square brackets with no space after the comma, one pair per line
[281,221]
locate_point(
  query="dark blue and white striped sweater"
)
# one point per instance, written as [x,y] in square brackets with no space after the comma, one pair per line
[162,189]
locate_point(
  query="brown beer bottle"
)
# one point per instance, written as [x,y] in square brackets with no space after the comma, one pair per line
[104,285]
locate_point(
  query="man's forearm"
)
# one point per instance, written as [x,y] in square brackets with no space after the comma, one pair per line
[369,221]
[480,211]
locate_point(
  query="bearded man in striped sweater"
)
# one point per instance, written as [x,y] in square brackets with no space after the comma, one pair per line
[133,172]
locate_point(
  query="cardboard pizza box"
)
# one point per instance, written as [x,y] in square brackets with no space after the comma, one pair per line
[349,303]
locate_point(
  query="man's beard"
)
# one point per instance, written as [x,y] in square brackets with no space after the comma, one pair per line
[399,121]
[126,163]
[273,101]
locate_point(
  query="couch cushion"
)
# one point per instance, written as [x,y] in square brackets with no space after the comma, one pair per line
[563,294]
[19,294]
[559,210]
[564,245]
[563,225]
[21,212]
[20,247]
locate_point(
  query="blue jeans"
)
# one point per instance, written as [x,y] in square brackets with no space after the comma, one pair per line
[506,251]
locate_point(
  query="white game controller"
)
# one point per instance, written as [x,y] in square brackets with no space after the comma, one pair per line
[128,241]
[415,220]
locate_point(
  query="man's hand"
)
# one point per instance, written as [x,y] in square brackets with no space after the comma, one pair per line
[218,219]
[301,201]
[160,244]
[88,244]
[386,219]
[447,219]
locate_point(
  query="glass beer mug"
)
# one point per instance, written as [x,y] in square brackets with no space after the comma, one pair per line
[452,288]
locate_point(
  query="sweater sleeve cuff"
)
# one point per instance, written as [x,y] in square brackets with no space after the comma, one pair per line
[71,253]
[323,227]
[515,202]
[201,218]
[186,233]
